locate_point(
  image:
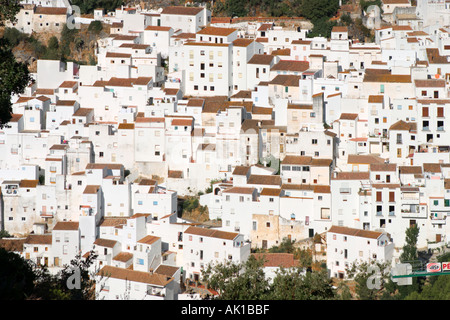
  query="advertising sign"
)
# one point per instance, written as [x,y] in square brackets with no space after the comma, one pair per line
[445,266]
[434,267]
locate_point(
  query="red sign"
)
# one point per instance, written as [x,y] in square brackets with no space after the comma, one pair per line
[445,266]
[434,267]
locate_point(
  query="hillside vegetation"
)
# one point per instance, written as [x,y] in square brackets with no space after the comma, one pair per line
[70,45]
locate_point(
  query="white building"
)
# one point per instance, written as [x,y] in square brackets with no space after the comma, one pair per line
[346,246]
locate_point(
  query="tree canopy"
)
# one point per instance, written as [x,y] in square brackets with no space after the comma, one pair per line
[88,6]
[21,279]
[248,281]
[14,75]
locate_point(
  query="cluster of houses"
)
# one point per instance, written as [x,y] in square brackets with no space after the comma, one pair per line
[281,136]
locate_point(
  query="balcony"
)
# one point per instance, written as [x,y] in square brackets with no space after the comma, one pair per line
[11,190]
[345,190]
[438,218]
[46,214]
[410,198]
[410,209]
[155,292]
[87,212]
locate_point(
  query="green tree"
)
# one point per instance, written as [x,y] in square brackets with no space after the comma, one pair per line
[367,3]
[53,43]
[409,255]
[295,284]
[322,28]
[22,279]
[235,8]
[16,276]
[409,251]
[52,50]
[237,281]
[4,234]
[82,267]
[286,246]
[319,9]
[438,289]
[68,36]
[8,10]
[370,278]
[14,75]
[14,36]
[14,78]
[95,27]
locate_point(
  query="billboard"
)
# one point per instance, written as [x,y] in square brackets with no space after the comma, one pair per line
[445,266]
[434,267]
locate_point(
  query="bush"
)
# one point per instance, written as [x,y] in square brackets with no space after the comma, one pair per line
[190,204]
[14,36]
[95,27]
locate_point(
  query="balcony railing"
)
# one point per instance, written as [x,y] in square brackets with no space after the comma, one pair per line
[345,190]
[46,214]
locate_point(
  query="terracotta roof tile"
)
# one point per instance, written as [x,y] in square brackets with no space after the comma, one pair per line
[105,242]
[274,180]
[240,190]
[123,256]
[355,232]
[66,225]
[286,80]
[149,239]
[180,10]
[212,233]
[51,10]
[291,65]
[214,31]
[39,239]
[265,59]
[91,189]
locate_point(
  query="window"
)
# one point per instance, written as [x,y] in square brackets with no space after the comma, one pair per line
[379,196]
